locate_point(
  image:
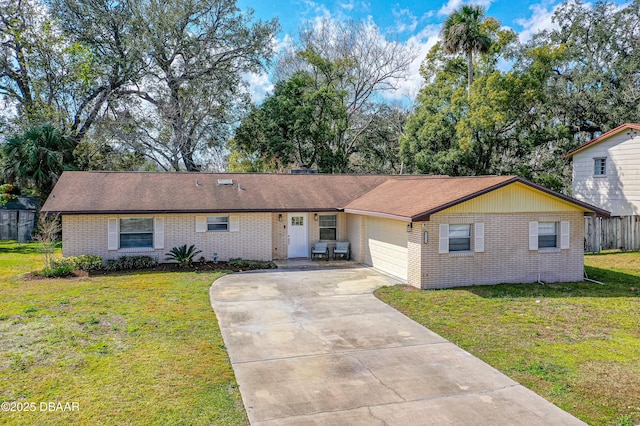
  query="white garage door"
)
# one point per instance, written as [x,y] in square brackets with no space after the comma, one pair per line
[386,245]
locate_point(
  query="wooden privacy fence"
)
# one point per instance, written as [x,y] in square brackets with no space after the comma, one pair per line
[16,225]
[618,232]
[17,219]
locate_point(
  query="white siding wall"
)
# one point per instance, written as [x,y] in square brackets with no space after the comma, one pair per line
[354,236]
[619,190]
[386,245]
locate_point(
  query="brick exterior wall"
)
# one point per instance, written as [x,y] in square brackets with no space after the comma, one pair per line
[261,237]
[506,259]
[279,236]
[87,234]
[415,248]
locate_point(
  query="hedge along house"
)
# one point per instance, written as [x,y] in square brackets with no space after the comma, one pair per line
[432,232]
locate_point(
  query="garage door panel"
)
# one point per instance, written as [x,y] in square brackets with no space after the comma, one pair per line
[386,246]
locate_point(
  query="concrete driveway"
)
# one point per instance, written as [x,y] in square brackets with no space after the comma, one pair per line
[316,347]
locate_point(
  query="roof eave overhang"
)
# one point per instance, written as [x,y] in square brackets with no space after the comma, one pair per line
[600,138]
[183,211]
[378,214]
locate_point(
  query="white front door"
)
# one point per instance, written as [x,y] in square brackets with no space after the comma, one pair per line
[298,235]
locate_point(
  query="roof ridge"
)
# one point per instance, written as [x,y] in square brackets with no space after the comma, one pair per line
[602,137]
[182,172]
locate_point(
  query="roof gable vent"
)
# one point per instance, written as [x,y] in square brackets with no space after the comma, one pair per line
[225,181]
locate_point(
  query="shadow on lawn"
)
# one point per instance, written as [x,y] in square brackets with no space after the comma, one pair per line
[616,284]
[12,247]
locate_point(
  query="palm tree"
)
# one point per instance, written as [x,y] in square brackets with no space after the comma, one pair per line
[462,32]
[38,157]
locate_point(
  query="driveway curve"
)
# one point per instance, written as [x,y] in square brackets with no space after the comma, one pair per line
[316,347]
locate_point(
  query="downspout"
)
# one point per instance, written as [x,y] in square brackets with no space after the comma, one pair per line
[586,278]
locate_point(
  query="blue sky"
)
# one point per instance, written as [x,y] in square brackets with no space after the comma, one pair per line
[409,21]
[398,18]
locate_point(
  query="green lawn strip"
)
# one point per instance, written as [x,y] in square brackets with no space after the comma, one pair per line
[576,344]
[141,348]
[16,258]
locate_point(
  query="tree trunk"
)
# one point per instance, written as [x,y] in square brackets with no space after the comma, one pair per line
[187,157]
[181,140]
[469,72]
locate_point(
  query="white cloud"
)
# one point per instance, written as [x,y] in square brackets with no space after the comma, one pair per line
[405,21]
[541,19]
[317,9]
[350,5]
[285,43]
[455,4]
[259,86]
[408,88]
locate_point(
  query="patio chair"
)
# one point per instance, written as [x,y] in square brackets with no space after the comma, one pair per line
[320,249]
[342,249]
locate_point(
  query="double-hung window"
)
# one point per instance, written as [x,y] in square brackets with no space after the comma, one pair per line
[460,237]
[136,232]
[456,238]
[547,234]
[599,166]
[328,227]
[217,223]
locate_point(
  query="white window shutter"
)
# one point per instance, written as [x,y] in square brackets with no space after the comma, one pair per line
[533,235]
[564,235]
[478,232]
[201,224]
[443,240]
[234,223]
[113,234]
[158,233]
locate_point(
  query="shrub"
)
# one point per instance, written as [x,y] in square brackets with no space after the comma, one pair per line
[86,262]
[58,271]
[130,262]
[64,261]
[183,255]
[89,262]
[239,263]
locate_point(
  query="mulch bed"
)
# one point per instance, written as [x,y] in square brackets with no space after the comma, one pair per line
[161,267]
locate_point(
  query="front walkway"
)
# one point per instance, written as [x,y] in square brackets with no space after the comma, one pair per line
[316,347]
[314,263]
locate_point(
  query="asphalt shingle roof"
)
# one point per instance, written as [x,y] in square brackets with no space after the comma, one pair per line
[409,198]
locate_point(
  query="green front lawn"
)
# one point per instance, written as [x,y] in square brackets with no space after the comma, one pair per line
[133,348]
[576,344]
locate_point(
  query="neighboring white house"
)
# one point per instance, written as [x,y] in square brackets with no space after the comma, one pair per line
[606,173]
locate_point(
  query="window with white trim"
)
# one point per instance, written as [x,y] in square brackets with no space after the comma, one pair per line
[218,223]
[456,238]
[547,235]
[460,237]
[599,166]
[136,232]
[328,227]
